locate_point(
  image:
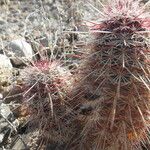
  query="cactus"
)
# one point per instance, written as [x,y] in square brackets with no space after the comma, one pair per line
[45,85]
[111,94]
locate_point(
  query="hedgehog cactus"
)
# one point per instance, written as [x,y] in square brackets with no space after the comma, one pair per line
[111,98]
[45,85]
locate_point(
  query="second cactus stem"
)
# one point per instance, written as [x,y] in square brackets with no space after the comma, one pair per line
[111,96]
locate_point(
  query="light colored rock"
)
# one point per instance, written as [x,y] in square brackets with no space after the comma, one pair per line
[19,51]
[1,96]
[5,62]
[1,138]
[2,22]
[5,110]
[5,69]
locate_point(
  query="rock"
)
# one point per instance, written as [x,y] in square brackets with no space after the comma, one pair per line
[5,110]
[5,62]
[19,144]
[2,22]
[3,125]
[5,128]
[8,124]
[5,136]
[5,69]
[1,138]
[1,96]
[19,51]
